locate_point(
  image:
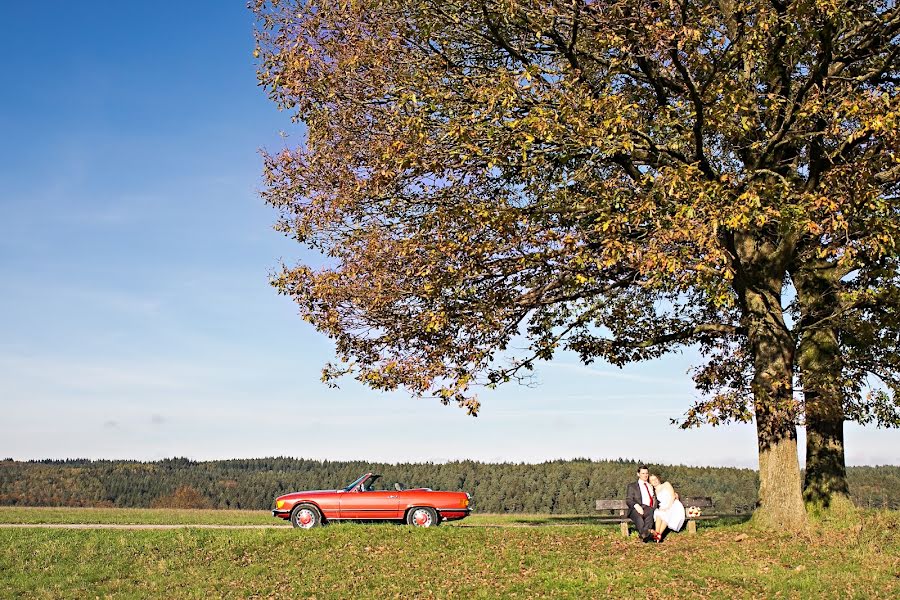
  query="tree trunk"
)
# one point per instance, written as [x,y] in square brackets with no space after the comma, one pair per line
[826,474]
[759,279]
[780,501]
[820,372]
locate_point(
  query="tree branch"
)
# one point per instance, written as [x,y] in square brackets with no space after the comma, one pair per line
[697,101]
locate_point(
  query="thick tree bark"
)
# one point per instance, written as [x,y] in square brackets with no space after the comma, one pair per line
[826,473]
[820,371]
[780,501]
[759,286]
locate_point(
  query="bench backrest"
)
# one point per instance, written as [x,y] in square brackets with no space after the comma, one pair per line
[611,505]
[698,501]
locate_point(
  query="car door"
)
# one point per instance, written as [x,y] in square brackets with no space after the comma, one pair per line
[370,505]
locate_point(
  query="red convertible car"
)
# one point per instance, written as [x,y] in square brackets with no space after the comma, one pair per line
[420,507]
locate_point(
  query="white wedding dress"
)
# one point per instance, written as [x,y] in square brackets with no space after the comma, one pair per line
[668,508]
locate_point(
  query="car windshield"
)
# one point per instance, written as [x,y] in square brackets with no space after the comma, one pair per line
[366,482]
[356,483]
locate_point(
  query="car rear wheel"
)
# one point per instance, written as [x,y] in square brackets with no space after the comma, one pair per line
[422,516]
[306,516]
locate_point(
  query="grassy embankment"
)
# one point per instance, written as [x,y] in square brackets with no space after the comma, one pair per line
[841,560]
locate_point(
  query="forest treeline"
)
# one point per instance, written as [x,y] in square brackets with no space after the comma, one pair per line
[560,486]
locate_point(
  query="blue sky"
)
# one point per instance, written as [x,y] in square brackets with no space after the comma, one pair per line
[135,313]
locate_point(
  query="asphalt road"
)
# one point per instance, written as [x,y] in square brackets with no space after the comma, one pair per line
[132,526]
[197,526]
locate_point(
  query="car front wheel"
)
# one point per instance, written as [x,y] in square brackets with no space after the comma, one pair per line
[306,516]
[422,516]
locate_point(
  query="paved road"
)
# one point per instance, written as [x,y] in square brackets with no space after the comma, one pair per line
[198,526]
[132,526]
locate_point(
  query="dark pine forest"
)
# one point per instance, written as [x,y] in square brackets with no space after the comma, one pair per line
[559,487]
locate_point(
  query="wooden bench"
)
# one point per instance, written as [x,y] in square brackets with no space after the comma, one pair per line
[619,512]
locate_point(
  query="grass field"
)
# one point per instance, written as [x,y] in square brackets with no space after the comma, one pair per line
[859,559]
[166,516]
[137,516]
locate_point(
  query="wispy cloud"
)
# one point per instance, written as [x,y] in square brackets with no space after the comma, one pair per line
[614,374]
[101,216]
[641,396]
[98,376]
[116,300]
[624,411]
[97,298]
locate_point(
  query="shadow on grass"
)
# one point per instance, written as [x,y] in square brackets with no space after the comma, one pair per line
[560,520]
[549,520]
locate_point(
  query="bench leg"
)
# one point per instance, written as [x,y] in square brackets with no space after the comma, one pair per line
[692,526]
[623,526]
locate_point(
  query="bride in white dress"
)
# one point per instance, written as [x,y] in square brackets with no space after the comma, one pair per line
[669,509]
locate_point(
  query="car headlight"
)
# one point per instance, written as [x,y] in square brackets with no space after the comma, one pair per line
[279,503]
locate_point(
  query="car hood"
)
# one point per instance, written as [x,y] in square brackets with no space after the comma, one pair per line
[308,494]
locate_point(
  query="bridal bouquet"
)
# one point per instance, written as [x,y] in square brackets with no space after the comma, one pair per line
[692,512]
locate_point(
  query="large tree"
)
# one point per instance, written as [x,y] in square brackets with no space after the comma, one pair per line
[617,178]
[848,333]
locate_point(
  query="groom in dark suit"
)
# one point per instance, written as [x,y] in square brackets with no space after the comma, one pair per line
[641,503]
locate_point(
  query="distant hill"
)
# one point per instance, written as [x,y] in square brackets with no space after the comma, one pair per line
[559,486]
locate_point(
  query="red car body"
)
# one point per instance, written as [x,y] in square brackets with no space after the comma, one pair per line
[420,507]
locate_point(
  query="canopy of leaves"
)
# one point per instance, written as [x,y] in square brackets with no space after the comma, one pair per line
[608,177]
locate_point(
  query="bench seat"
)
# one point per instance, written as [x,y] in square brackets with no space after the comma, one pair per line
[619,512]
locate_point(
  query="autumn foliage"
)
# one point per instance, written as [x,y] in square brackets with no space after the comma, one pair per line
[616,178]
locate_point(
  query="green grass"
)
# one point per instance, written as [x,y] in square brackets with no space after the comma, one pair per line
[164,516]
[859,560]
[136,516]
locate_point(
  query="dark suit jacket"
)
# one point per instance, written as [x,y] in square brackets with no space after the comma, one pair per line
[633,496]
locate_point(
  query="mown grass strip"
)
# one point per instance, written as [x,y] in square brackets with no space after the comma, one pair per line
[153,516]
[448,562]
[135,516]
